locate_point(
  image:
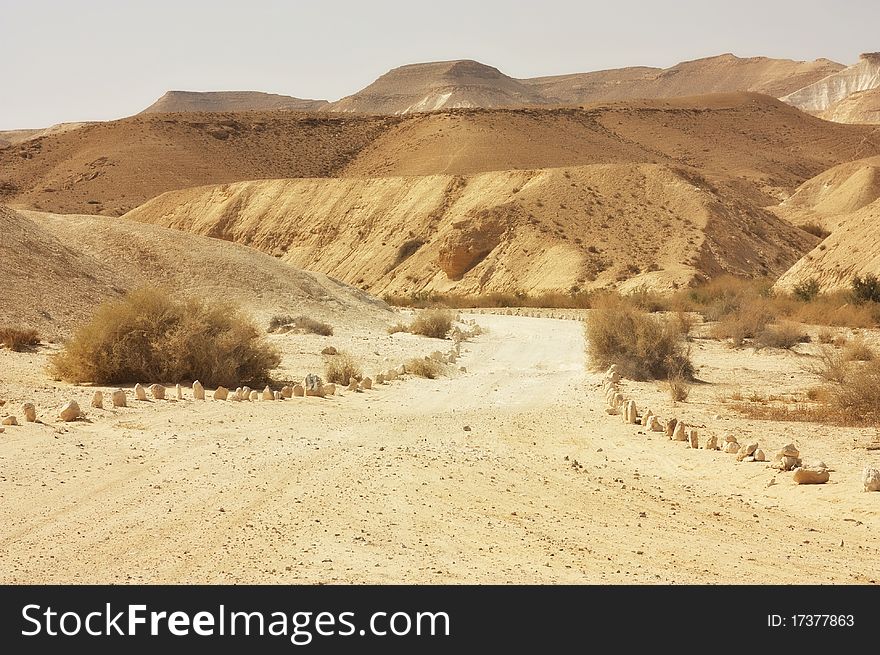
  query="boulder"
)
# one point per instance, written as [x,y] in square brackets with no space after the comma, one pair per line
[314,385]
[329,350]
[221,393]
[401,370]
[278,395]
[255,396]
[711,443]
[655,424]
[810,476]
[158,391]
[789,450]
[70,411]
[646,418]
[731,447]
[746,450]
[379,379]
[613,411]
[437,356]
[299,391]
[118,398]
[246,392]
[98,400]
[729,438]
[693,440]
[267,394]
[679,433]
[871,478]
[139,392]
[670,427]
[9,420]
[330,389]
[198,391]
[366,383]
[30,412]
[760,456]
[353,385]
[631,412]
[178,391]
[287,391]
[788,463]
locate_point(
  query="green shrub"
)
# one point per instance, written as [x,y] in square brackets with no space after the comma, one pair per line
[866,289]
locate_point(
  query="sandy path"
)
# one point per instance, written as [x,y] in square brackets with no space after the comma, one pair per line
[388,486]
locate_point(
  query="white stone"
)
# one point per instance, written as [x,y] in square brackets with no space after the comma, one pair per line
[871,478]
[139,392]
[70,411]
[118,398]
[198,391]
[98,400]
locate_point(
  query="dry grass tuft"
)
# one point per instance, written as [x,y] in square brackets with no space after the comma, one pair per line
[858,351]
[341,368]
[148,336]
[679,389]
[424,368]
[643,346]
[435,323]
[784,336]
[398,327]
[18,340]
[304,324]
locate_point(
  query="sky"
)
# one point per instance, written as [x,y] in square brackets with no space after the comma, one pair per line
[73,60]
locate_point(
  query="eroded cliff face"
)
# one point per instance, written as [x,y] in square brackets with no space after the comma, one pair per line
[820,95]
[862,107]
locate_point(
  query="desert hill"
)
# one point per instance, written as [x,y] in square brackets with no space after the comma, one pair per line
[720,74]
[108,168]
[822,94]
[769,148]
[14,137]
[860,107]
[530,230]
[72,263]
[228,101]
[439,85]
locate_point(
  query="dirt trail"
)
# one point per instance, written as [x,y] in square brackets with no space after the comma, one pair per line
[389,486]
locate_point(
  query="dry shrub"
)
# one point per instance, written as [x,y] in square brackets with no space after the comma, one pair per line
[398,327]
[148,336]
[857,396]
[745,323]
[424,367]
[830,365]
[815,229]
[825,335]
[784,335]
[287,323]
[341,368]
[679,390]
[18,340]
[643,346]
[550,299]
[858,351]
[435,323]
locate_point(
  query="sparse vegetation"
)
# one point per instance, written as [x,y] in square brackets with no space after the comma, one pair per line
[784,336]
[806,290]
[679,389]
[643,346]
[341,368]
[858,351]
[830,365]
[815,229]
[866,289]
[424,367]
[435,323]
[398,327]
[18,340]
[304,324]
[148,336]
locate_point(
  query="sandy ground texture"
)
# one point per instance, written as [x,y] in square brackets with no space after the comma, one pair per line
[468,478]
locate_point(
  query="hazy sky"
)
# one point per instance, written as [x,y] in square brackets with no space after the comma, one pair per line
[81,60]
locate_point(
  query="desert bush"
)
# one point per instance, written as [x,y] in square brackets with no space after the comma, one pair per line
[398,327]
[857,396]
[825,336]
[341,368]
[148,336]
[18,339]
[287,323]
[784,335]
[858,351]
[746,323]
[434,323]
[806,290]
[643,346]
[679,390]
[424,367]
[830,365]
[866,289]
[815,229]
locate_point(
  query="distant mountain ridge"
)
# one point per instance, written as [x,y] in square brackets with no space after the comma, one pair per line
[226,101]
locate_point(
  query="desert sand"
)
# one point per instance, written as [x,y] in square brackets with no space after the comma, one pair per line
[468,478]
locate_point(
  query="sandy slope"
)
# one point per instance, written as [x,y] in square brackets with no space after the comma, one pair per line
[388,486]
